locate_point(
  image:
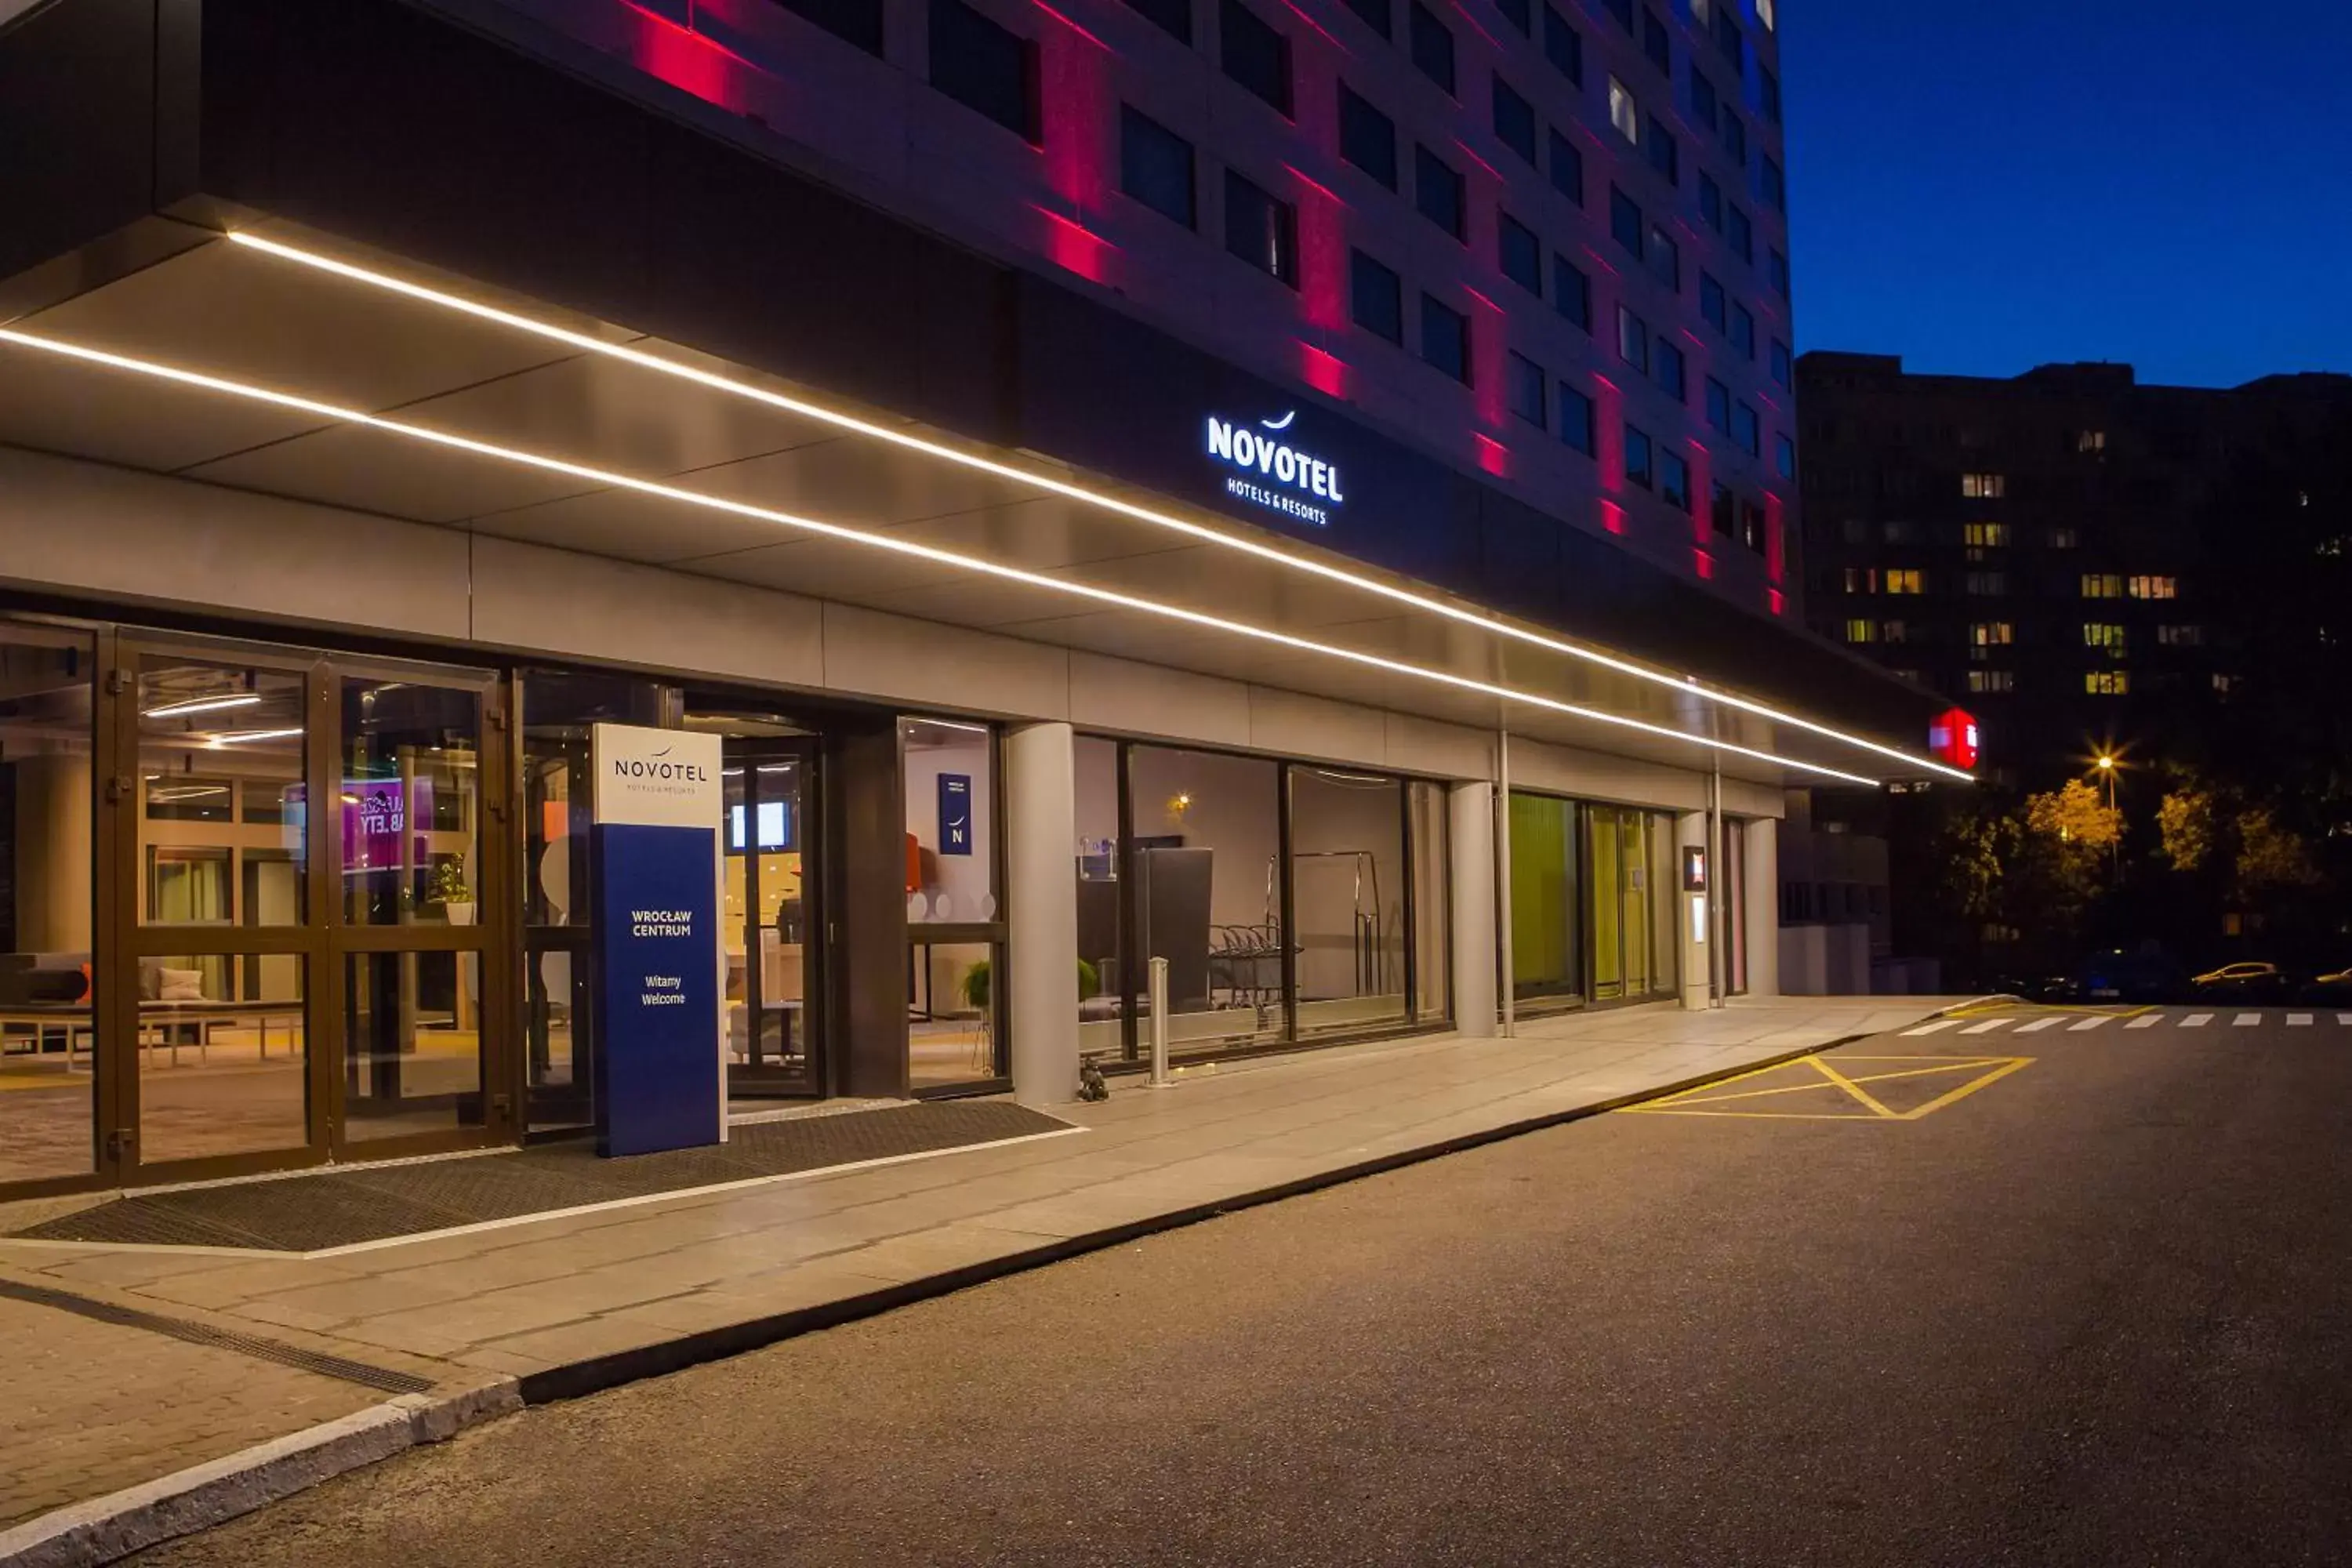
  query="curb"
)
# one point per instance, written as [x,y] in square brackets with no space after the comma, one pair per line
[102,1529]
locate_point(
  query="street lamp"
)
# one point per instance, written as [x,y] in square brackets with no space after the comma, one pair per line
[2106,765]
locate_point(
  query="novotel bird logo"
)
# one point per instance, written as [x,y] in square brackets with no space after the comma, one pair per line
[1263,455]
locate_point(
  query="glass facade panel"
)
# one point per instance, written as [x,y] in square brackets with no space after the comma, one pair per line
[1432,916]
[950,766]
[409,821]
[47,1055]
[222,817]
[952,1032]
[1348,899]
[411,1043]
[1101,985]
[1207,856]
[222,1046]
[766,918]
[1547,901]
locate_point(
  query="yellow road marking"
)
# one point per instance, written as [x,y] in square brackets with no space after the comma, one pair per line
[1967,1090]
[1699,1097]
[1703,1100]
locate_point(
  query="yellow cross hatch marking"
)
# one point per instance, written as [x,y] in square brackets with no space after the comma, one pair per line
[1704,1099]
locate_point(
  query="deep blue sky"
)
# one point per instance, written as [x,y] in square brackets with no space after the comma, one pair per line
[1983,185]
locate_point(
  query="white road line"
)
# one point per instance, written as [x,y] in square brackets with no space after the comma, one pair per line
[1931,1029]
[2247,1020]
[2299,1020]
[2195,1020]
[1986,1027]
[2037,1024]
[2091,1022]
[2145,1021]
[2344,1018]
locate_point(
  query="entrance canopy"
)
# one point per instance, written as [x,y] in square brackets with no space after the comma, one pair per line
[284,361]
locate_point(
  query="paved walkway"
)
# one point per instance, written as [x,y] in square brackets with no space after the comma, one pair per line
[568,1303]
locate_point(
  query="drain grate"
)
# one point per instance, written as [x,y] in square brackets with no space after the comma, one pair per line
[383,1379]
[340,1208]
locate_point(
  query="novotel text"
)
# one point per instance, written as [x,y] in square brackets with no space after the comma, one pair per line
[1258,453]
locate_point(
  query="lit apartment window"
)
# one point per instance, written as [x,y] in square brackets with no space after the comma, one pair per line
[1623,112]
[1986,636]
[1858,579]
[1638,467]
[1984,487]
[1985,680]
[1860,631]
[1987,585]
[2063,539]
[1764,9]
[2102,585]
[2180,637]
[2153,588]
[1895,631]
[1906,580]
[2222,683]
[1524,388]
[1984,535]
[1576,426]
[1262,229]
[2104,635]
[2091,441]
[2107,682]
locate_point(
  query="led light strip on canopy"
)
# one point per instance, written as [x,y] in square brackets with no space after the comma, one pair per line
[1688,686]
[607,479]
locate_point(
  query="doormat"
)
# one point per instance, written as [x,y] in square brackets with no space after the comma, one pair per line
[316,1211]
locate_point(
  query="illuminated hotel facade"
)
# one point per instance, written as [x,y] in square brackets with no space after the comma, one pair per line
[1298,491]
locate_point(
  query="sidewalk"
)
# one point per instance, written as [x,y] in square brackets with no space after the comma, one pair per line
[522,1311]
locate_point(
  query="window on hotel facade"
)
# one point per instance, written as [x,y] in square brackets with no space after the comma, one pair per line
[1775,184]
[1625,221]
[1665,258]
[1778,271]
[1674,481]
[954,916]
[1375,15]
[1728,38]
[1984,536]
[1743,330]
[1981,681]
[1446,339]
[1519,252]
[1703,99]
[1155,167]
[1768,95]
[2102,585]
[1173,17]
[1986,585]
[1639,468]
[1906,580]
[1991,634]
[1438,192]
[1261,229]
[1572,292]
[1858,579]
[1740,233]
[2063,539]
[858,22]
[1860,631]
[1567,167]
[2107,682]
[1718,405]
[1714,304]
[2180,637]
[1367,137]
[1746,429]
[1431,44]
[1783,364]
[986,69]
[1576,424]
[1515,120]
[1254,54]
[1674,372]
[1710,202]
[1764,14]
[1520,13]
[2091,441]
[1735,140]
[1784,457]
[1624,113]
[1984,487]
[1623,11]
[1563,45]
[1753,531]
[1656,45]
[1523,388]
[1633,339]
[1665,154]
[1723,515]
[2104,635]
[1376,298]
[2153,588]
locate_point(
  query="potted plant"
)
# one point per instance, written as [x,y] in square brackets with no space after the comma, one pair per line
[976,983]
[450,891]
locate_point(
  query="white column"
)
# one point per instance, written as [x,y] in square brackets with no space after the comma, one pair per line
[1763,911]
[1041,877]
[1472,807]
[1691,933]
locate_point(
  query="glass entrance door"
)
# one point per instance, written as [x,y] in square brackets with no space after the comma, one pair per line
[771,894]
[1630,854]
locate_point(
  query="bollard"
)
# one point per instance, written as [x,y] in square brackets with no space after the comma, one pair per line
[1160,1023]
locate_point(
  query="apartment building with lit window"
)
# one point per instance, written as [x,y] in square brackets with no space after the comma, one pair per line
[2084,561]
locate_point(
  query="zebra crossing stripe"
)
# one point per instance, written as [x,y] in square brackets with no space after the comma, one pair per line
[2037,1024]
[2091,1022]
[2145,1021]
[1986,1027]
[1937,1026]
[2344,1018]
[2298,1020]
[2195,1020]
[2247,1020]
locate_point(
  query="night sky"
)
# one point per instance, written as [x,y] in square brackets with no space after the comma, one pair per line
[1985,185]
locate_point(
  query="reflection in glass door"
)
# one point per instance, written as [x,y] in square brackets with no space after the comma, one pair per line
[770,894]
[1630,855]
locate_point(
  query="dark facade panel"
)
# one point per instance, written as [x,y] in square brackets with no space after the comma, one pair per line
[78,118]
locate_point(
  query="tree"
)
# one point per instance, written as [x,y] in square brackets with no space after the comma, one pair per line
[2270,856]
[2184,825]
[2075,814]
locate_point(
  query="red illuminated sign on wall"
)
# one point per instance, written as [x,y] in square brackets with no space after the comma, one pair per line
[1952,736]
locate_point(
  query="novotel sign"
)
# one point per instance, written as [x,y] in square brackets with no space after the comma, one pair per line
[1271,473]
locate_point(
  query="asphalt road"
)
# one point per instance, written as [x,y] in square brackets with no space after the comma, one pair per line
[2096,1309]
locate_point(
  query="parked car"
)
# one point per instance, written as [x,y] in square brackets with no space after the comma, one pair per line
[2146,976]
[2252,981]
[2335,987]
